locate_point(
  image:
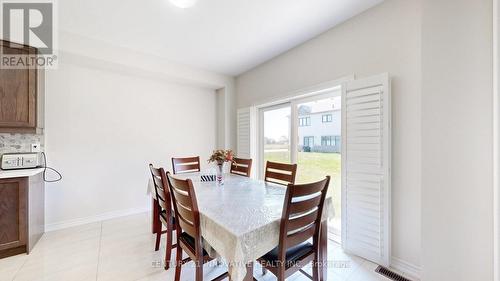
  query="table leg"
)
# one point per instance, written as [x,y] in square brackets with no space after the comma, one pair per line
[249,276]
[155,220]
[323,252]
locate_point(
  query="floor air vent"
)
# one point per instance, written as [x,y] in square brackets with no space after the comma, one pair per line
[389,274]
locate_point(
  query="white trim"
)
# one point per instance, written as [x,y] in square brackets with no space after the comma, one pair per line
[294,131]
[96,218]
[306,92]
[496,141]
[405,268]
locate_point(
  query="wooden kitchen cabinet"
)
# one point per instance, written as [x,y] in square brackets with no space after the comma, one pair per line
[18,94]
[22,215]
[13,216]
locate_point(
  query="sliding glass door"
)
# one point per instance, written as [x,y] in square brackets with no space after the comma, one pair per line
[276,134]
[318,146]
[306,131]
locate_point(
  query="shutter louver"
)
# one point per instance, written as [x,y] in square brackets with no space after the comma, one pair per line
[366,177]
[245,134]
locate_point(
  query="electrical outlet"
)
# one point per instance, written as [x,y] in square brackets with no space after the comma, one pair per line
[35,147]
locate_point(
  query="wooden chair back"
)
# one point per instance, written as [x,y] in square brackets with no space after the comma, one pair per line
[186,165]
[162,191]
[241,166]
[188,223]
[185,207]
[301,217]
[280,173]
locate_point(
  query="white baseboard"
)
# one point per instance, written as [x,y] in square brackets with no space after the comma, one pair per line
[96,218]
[409,270]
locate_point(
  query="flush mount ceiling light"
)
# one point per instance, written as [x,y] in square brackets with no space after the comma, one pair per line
[183,4]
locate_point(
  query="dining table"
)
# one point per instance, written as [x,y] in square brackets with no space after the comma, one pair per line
[240,220]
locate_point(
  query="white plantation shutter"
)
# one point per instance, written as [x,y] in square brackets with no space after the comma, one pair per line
[366,179]
[246,133]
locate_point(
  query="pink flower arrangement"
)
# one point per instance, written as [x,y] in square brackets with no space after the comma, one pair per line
[220,156]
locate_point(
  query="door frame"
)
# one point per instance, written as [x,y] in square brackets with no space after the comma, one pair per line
[331,91]
[496,140]
[288,97]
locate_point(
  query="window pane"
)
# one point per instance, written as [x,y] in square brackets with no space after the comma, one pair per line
[277,135]
[321,158]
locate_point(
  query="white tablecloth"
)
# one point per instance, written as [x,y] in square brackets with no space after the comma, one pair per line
[241,219]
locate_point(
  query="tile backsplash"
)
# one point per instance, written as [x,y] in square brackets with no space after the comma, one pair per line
[12,143]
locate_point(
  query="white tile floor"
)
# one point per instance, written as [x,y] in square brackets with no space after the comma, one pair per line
[122,249]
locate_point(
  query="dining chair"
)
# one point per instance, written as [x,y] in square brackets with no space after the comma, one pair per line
[189,237]
[186,165]
[280,173]
[300,221]
[164,207]
[241,166]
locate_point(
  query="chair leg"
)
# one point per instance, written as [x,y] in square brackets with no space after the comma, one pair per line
[315,268]
[178,264]
[168,253]
[199,270]
[281,274]
[154,213]
[158,237]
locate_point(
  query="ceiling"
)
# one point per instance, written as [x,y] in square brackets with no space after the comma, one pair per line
[224,36]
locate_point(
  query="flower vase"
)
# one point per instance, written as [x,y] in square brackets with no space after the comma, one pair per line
[220,174]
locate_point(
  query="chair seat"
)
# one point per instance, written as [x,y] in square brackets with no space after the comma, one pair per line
[293,254]
[188,239]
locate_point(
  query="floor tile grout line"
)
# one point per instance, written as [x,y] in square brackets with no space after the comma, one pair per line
[22,265]
[351,276]
[98,254]
[19,269]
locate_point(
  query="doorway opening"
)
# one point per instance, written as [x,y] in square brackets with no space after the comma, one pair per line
[307,131]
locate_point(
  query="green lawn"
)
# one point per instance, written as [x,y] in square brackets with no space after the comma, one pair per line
[314,166]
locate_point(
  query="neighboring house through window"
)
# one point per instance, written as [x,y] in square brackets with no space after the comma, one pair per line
[304,121]
[309,141]
[328,141]
[326,118]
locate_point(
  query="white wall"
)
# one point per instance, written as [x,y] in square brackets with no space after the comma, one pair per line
[87,51]
[103,127]
[457,221]
[385,38]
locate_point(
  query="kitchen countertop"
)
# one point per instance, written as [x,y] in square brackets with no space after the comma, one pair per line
[7,174]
